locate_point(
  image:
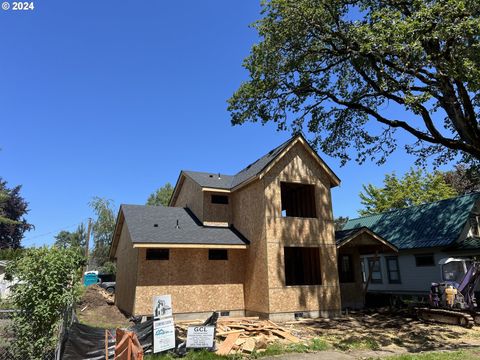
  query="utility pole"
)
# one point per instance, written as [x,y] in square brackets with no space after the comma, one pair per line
[89,230]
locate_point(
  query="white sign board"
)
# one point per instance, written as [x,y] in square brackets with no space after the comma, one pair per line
[163,335]
[200,336]
[162,306]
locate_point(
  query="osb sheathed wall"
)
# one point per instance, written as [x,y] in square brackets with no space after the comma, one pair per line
[190,196]
[126,272]
[248,216]
[352,293]
[299,166]
[216,212]
[195,283]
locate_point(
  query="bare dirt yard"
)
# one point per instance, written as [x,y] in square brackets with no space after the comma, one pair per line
[385,332]
[97,309]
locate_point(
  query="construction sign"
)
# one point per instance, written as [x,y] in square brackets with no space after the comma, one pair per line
[162,306]
[163,335]
[200,336]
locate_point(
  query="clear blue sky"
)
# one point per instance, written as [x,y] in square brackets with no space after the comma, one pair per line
[114,98]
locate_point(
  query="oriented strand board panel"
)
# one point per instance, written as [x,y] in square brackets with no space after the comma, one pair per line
[248,216]
[191,196]
[126,272]
[299,166]
[198,284]
[191,267]
[216,212]
[192,298]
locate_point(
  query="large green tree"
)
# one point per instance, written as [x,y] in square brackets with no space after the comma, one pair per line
[13,224]
[463,179]
[76,239]
[354,72]
[416,187]
[103,227]
[161,196]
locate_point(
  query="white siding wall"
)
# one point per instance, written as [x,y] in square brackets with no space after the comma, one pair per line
[413,279]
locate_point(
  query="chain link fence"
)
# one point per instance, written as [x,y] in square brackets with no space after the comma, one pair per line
[7,337]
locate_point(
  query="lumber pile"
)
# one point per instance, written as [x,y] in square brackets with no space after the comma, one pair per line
[245,334]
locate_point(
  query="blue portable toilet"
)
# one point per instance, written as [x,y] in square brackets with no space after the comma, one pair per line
[90,278]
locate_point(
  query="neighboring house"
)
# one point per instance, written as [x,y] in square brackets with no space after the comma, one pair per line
[261,242]
[424,235]
[4,284]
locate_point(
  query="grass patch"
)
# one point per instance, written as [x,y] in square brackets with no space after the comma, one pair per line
[272,350]
[441,355]
[357,343]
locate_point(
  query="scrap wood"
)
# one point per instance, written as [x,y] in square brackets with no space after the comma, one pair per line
[240,341]
[286,336]
[228,344]
[249,345]
[223,333]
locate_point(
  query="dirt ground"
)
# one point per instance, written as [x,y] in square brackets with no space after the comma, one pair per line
[390,332]
[96,309]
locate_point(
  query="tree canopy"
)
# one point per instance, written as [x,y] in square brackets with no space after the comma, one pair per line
[355,72]
[161,196]
[416,187]
[103,228]
[76,239]
[463,179]
[13,208]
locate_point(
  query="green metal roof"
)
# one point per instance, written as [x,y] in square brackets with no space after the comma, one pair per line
[430,225]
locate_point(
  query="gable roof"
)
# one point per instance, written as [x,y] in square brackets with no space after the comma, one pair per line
[254,170]
[435,224]
[343,237]
[154,225]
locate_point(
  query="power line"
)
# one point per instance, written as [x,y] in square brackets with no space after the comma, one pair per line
[54,231]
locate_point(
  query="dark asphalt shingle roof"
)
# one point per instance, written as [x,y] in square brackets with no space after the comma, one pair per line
[430,225]
[210,180]
[141,220]
[230,181]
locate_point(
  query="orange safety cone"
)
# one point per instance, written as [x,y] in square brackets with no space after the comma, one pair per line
[127,346]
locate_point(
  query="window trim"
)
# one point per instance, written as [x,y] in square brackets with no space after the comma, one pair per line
[160,251]
[425,255]
[389,271]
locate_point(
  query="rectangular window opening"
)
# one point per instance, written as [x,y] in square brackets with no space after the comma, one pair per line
[158,254]
[345,269]
[220,199]
[393,270]
[298,200]
[214,254]
[374,265]
[475,225]
[302,266]
[424,260]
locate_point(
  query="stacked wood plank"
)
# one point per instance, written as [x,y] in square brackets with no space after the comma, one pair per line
[245,335]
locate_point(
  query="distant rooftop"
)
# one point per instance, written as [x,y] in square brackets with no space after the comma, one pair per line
[435,224]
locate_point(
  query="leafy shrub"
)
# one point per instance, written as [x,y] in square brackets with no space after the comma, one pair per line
[48,281]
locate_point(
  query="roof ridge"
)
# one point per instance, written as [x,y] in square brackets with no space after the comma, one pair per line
[415,206]
[268,153]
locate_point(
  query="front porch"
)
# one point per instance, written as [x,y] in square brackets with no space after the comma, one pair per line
[353,278]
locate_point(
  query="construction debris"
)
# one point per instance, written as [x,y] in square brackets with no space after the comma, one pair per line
[245,334]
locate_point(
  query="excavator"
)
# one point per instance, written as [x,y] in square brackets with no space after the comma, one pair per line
[452,301]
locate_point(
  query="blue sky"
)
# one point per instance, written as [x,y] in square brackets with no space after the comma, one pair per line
[113,98]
